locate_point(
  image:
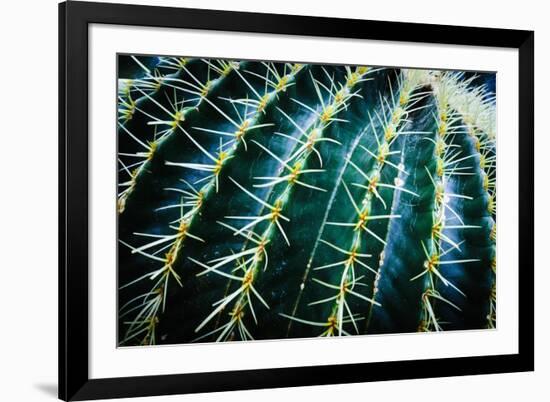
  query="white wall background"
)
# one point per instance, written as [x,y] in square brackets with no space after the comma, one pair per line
[28,198]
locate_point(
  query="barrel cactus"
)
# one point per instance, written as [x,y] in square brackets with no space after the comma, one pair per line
[262,200]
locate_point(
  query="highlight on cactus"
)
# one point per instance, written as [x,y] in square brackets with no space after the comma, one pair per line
[269,200]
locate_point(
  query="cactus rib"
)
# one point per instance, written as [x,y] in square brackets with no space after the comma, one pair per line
[477,110]
[294,165]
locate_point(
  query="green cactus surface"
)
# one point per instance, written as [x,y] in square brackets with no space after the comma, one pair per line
[270,200]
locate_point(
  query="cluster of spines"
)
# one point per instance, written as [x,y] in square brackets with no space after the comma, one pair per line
[150,304]
[252,260]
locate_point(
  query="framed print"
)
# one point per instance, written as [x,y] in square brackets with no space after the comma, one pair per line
[255,200]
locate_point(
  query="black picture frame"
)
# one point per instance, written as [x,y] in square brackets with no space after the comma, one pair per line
[74,380]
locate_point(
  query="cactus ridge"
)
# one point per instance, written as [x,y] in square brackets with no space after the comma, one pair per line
[476,108]
[392,125]
[291,172]
[317,200]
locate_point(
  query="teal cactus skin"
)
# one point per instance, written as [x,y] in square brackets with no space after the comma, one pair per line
[263,200]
